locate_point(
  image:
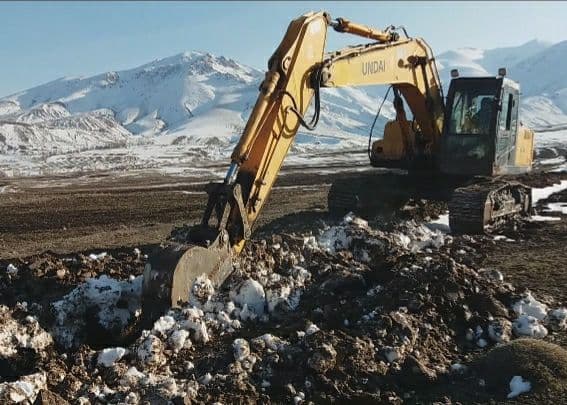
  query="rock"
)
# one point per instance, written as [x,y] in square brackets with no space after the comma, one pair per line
[500,330]
[46,397]
[557,319]
[486,304]
[417,372]
[323,359]
[241,349]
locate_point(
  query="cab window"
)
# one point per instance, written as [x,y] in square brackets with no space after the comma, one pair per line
[471,112]
[509,114]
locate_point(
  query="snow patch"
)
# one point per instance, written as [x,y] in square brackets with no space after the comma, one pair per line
[241,349]
[518,386]
[543,193]
[23,390]
[311,329]
[100,256]
[116,303]
[530,306]
[526,325]
[12,270]
[26,334]
[440,224]
[107,357]
[179,339]
[543,218]
[251,296]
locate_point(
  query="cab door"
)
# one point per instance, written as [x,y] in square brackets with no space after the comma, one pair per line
[506,130]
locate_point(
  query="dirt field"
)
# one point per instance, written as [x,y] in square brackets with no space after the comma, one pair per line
[48,227]
[100,212]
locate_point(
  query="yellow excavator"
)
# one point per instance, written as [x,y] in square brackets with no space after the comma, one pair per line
[476,132]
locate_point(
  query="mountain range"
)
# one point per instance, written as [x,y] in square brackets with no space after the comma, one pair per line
[198,99]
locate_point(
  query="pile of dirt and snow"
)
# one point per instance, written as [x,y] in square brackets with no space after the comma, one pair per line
[523,366]
[24,333]
[344,312]
[23,344]
[100,303]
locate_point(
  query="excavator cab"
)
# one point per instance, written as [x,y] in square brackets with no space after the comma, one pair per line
[481,134]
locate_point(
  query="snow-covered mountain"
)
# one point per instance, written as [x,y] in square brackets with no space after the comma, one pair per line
[198,101]
[481,62]
[50,128]
[192,98]
[536,65]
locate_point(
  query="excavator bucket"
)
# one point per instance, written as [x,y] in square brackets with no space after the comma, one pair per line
[173,269]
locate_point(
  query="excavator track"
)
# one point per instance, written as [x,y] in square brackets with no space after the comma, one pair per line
[341,202]
[368,194]
[486,205]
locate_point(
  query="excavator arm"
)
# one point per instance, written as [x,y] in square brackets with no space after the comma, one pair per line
[296,71]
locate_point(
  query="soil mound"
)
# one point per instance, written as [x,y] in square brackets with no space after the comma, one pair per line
[542,363]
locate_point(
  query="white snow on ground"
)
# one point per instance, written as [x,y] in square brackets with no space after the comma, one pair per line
[557,319]
[530,306]
[531,314]
[543,193]
[24,390]
[503,237]
[102,293]
[526,325]
[107,357]
[518,386]
[201,291]
[214,313]
[440,224]
[250,295]
[12,270]
[500,330]
[100,256]
[241,349]
[543,218]
[179,339]
[311,329]
[337,238]
[557,207]
[14,335]
[534,317]
[552,161]
[410,236]
[417,237]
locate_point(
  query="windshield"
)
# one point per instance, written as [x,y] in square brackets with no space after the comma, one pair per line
[472,112]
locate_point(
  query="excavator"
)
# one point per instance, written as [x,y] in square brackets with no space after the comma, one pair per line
[474,134]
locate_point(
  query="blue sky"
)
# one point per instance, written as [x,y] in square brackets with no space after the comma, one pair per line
[42,41]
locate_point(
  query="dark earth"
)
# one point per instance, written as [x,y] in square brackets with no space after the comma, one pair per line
[50,225]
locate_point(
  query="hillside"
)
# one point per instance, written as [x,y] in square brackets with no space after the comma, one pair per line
[196,104]
[192,98]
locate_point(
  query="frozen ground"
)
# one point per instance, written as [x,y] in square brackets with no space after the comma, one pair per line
[341,310]
[211,160]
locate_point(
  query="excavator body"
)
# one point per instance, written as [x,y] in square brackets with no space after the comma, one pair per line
[482,140]
[482,134]
[477,134]
[489,141]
